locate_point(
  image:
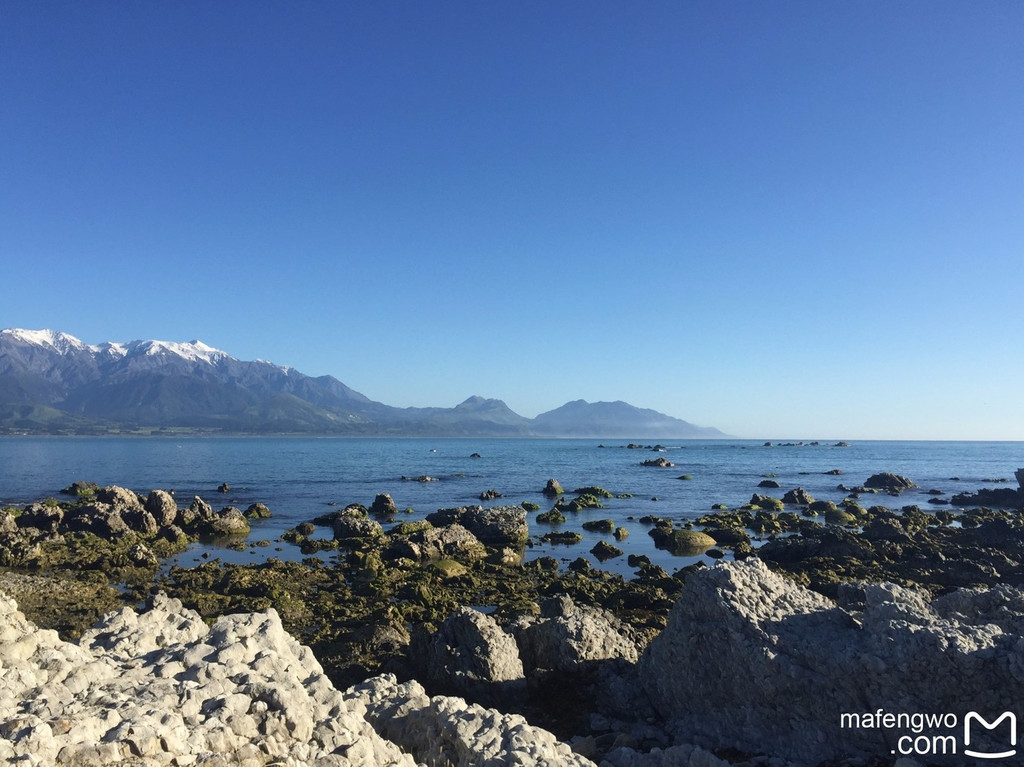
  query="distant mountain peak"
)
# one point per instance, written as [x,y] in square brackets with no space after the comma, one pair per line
[193,351]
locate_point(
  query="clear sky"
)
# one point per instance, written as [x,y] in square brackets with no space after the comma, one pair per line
[782,219]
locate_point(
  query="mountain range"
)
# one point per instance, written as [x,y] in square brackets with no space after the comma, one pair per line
[53,383]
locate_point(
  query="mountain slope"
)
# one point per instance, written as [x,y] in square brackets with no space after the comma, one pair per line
[51,382]
[616,419]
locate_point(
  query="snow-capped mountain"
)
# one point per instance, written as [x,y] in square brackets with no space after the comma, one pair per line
[52,382]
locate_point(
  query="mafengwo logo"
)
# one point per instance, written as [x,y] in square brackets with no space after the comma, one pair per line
[922,735]
[974,718]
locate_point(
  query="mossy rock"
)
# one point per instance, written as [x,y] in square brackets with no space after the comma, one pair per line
[681,542]
[600,525]
[449,568]
[593,490]
[408,528]
[553,517]
[605,551]
[840,517]
[566,537]
[530,506]
[553,488]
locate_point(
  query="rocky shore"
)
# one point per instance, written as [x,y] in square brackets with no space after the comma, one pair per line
[433,643]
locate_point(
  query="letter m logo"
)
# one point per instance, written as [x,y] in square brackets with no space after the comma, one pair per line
[973,716]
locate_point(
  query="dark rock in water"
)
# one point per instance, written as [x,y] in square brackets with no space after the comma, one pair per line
[566,537]
[350,524]
[450,541]
[224,488]
[553,488]
[579,565]
[681,542]
[893,483]
[474,455]
[769,483]
[257,511]
[605,551]
[489,495]
[383,506]
[229,521]
[553,517]
[80,489]
[662,463]
[600,525]
[798,497]
[497,526]
[1002,497]
[197,512]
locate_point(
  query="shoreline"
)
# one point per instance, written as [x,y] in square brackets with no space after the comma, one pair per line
[374,607]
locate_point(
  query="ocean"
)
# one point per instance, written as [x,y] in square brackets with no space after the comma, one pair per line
[301,478]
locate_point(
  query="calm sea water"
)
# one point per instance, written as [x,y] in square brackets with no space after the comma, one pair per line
[299,478]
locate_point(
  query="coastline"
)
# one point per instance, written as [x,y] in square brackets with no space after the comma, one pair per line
[379,605]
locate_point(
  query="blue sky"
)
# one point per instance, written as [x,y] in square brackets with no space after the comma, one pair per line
[786,219]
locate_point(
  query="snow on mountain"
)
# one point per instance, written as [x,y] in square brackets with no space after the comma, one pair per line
[63,343]
[194,351]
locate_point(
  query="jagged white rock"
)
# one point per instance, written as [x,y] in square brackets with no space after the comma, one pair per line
[162,688]
[447,732]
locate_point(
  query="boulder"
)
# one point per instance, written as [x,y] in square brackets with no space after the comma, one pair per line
[445,731]
[681,542]
[162,688]
[141,521]
[41,516]
[798,497]
[198,511]
[452,541]
[568,635]
[228,521]
[893,483]
[257,511]
[661,463]
[121,498]
[471,656]
[553,488]
[163,507]
[496,526]
[351,524]
[100,519]
[383,506]
[752,661]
